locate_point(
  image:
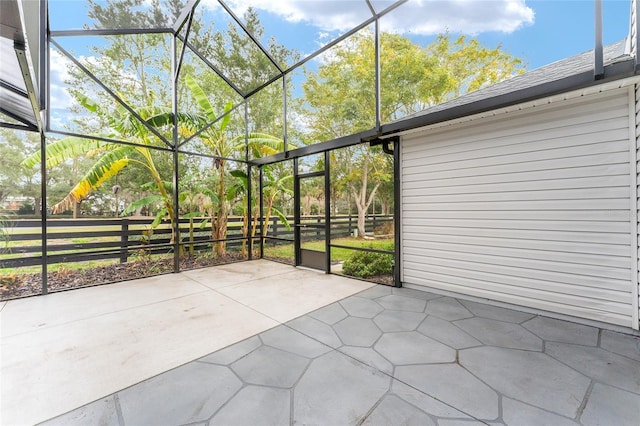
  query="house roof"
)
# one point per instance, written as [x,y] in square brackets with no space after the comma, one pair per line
[562,76]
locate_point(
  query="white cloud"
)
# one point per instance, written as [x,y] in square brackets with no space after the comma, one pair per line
[60,98]
[424,17]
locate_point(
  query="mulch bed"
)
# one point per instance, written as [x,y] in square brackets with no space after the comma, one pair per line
[17,285]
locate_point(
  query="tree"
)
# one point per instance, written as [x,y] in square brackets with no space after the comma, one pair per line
[220,144]
[340,97]
[16,181]
[111,159]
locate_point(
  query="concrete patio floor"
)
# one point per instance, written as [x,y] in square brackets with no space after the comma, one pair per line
[372,355]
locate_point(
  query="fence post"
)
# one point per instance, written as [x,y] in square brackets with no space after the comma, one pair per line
[350,230]
[274,227]
[124,240]
[374,223]
[318,229]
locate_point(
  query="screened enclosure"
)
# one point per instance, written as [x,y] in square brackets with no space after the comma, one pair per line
[150,137]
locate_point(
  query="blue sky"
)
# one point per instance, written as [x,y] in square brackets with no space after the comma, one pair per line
[538,31]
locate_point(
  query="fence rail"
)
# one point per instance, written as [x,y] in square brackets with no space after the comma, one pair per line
[77,240]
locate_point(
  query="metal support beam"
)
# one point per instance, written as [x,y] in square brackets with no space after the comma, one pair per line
[110,32]
[378,102]
[598,67]
[187,9]
[249,214]
[296,213]
[23,61]
[397,212]
[261,199]
[284,114]
[327,211]
[178,67]
[43,209]
[176,199]
[43,78]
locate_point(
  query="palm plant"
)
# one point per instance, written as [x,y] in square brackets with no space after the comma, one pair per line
[223,146]
[112,158]
[272,187]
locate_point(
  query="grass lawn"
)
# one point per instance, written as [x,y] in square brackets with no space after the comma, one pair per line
[285,251]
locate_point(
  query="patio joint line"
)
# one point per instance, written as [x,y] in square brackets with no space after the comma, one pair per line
[390,375]
[243,282]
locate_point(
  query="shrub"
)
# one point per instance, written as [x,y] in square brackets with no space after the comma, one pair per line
[364,264]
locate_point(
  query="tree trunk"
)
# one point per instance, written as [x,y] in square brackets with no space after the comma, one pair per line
[362,201]
[76,209]
[219,217]
[37,202]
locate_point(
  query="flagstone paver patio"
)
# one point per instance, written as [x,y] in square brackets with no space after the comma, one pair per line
[388,356]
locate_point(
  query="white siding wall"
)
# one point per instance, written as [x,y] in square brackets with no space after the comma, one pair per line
[530,207]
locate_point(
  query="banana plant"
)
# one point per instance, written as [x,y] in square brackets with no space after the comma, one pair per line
[272,188]
[222,146]
[111,158]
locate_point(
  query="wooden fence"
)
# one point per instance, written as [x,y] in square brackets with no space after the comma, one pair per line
[78,240]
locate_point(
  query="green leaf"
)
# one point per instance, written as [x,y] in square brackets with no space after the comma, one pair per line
[282,218]
[64,149]
[145,201]
[107,166]
[200,97]
[161,214]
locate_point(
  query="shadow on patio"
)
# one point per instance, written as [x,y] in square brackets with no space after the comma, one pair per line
[144,352]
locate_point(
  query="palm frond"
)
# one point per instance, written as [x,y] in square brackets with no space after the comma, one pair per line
[105,168]
[63,150]
[201,98]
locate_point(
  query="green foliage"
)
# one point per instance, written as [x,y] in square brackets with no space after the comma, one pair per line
[364,264]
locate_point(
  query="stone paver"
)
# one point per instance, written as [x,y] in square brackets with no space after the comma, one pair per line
[102,412]
[607,403]
[554,330]
[287,339]
[361,307]
[370,357]
[402,303]
[517,413]
[448,309]
[499,333]
[396,356]
[483,310]
[398,320]
[337,390]
[453,385]
[531,377]
[447,333]
[425,402]
[599,364]
[411,347]
[355,331]
[316,330]
[621,344]
[270,367]
[393,410]
[234,352]
[330,314]
[255,405]
[187,394]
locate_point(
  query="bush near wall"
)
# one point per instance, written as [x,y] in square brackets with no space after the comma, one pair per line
[364,264]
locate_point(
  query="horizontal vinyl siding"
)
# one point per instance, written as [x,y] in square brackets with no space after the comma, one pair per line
[530,207]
